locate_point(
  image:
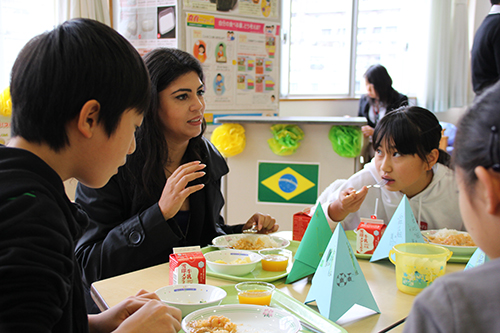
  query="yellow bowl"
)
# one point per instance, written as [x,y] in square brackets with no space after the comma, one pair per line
[418,265]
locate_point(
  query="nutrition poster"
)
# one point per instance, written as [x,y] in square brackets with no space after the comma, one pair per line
[240,59]
[266,9]
[147,24]
[4,129]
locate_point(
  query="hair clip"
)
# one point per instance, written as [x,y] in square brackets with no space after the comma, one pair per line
[494,149]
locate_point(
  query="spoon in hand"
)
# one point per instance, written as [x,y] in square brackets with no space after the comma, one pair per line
[252,230]
[378,185]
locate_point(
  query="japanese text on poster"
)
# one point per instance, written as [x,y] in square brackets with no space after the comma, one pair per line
[264,9]
[240,60]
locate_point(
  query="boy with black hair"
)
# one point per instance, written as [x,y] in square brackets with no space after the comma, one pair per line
[78,94]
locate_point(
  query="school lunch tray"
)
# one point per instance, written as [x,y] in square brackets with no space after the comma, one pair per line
[351,236]
[258,274]
[290,304]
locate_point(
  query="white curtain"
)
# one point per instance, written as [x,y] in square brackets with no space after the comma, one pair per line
[93,9]
[448,64]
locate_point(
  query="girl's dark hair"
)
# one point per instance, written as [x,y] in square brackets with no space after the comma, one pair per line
[382,82]
[146,165]
[411,130]
[57,72]
[477,138]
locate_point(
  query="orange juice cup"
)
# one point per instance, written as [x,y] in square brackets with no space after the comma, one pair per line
[275,260]
[259,293]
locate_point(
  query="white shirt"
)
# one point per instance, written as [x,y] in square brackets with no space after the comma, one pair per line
[495,9]
[437,205]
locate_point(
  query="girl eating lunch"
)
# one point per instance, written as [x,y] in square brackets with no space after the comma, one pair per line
[408,162]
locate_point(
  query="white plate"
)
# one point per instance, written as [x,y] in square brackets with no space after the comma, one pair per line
[230,255]
[225,241]
[249,318]
[457,250]
[191,297]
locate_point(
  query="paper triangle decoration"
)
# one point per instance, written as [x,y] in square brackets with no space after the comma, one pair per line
[312,246]
[402,228]
[339,283]
[477,259]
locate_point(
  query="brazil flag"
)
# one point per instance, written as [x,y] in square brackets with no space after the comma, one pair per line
[288,183]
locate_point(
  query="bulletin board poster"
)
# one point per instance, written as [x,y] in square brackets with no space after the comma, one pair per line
[148,24]
[4,129]
[240,60]
[265,9]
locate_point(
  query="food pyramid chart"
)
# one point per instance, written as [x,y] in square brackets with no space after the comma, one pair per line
[402,228]
[312,247]
[339,283]
[477,259]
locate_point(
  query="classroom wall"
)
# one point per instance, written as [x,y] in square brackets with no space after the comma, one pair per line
[319,108]
[349,107]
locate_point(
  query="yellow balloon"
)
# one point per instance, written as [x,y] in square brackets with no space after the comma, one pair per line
[229,139]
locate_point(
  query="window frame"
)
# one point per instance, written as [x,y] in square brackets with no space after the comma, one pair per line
[285,58]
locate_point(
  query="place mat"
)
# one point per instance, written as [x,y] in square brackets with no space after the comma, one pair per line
[258,274]
[290,304]
[351,236]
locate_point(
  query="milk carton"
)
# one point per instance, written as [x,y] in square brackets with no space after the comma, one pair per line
[187,265]
[300,222]
[368,235]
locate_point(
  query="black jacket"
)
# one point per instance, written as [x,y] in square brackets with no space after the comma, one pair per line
[364,106]
[40,282]
[126,234]
[485,54]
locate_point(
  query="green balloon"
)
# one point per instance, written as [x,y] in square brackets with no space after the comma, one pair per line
[347,141]
[286,139]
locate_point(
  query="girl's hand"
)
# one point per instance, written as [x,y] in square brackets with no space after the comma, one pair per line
[175,191]
[348,202]
[266,224]
[143,312]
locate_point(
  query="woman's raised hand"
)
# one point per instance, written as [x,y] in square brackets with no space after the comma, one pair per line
[367,131]
[176,190]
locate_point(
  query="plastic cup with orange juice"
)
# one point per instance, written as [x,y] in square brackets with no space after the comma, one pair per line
[258,293]
[275,260]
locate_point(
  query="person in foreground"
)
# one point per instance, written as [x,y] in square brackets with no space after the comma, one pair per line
[169,192]
[468,301]
[408,160]
[78,94]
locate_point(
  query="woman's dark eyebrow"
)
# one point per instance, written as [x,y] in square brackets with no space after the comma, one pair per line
[187,89]
[180,90]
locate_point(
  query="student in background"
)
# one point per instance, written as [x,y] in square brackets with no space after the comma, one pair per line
[485,53]
[78,94]
[380,98]
[408,159]
[468,301]
[169,192]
